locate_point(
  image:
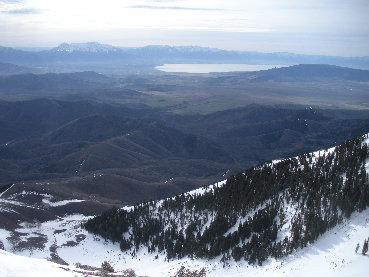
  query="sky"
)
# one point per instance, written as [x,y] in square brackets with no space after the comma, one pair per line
[327,27]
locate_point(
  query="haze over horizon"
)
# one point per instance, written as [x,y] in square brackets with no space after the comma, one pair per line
[315,27]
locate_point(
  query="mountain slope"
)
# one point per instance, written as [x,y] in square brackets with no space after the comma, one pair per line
[311,73]
[24,119]
[333,254]
[256,133]
[12,69]
[62,239]
[92,47]
[48,139]
[17,266]
[53,82]
[117,157]
[20,57]
[119,141]
[267,211]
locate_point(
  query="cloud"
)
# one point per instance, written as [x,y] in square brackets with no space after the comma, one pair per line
[24,11]
[170,8]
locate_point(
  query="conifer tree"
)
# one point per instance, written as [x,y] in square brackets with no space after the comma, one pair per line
[357,247]
[365,247]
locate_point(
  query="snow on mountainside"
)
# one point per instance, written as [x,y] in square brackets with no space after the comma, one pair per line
[268,211]
[332,253]
[17,266]
[92,47]
[72,57]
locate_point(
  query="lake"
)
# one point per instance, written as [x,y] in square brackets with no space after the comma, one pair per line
[207,68]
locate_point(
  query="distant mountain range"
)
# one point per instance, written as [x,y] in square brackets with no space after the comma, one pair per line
[12,69]
[308,73]
[53,81]
[92,47]
[80,55]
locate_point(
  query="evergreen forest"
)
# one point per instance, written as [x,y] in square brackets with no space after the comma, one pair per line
[266,211]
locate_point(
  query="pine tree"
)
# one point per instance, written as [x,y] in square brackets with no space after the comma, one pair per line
[357,247]
[365,247]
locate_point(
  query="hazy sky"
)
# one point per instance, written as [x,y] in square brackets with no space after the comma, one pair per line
[330,27]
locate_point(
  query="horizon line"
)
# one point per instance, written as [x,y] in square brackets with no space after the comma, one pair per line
[46,48]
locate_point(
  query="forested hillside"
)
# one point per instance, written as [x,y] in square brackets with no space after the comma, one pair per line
[268,210]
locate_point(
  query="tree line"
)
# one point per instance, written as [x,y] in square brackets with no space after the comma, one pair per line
[266,211]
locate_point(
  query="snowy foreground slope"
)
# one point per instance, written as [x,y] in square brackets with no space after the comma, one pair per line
[332,255]
[269,210]
[13,266]
[63,240]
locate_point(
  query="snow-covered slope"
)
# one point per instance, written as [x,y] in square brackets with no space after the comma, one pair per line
[92,47]
[267,211]
[333,254]
[17,266]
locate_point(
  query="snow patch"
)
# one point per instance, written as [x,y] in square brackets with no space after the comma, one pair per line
[17,266]
[60,203]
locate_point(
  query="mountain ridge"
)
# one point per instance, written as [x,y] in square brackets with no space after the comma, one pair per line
[266,211]
[50,138]
[303,208]
[12,69]
[153,55]
[311,73]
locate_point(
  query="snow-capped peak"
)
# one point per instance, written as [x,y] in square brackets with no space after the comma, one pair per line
[92,47]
